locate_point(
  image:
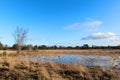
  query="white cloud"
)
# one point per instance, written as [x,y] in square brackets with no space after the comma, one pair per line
[99,35]
[89,23]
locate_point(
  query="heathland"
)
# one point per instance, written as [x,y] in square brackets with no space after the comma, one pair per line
[13,68]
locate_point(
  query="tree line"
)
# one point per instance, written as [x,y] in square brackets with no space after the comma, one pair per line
[45,47]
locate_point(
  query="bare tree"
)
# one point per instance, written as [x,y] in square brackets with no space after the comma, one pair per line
[20,36]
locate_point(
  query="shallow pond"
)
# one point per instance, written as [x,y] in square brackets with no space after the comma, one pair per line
[89,60]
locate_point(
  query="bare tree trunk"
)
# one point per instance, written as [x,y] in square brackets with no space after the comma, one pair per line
[19,49]
[30,48]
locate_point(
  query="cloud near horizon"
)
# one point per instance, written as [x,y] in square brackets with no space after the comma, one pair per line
[99,35]
[88,23]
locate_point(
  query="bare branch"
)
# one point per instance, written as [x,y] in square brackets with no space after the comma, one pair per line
[20,36]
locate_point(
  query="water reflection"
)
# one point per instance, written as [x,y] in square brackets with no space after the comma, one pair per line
[103,61]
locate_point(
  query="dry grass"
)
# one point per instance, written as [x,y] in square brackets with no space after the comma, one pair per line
[85,52]
[104,52]
[101,52]
[8,51]
[12,68]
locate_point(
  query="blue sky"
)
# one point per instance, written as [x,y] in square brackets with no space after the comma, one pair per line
[62,22]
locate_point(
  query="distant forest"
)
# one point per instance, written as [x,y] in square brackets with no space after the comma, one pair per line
[44,47]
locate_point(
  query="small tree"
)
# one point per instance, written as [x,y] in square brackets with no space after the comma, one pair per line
[5,47]
[20,36]
[85,46]
[14,47]
[43,47]
[1,46]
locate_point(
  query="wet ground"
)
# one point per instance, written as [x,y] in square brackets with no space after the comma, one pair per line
[87,60]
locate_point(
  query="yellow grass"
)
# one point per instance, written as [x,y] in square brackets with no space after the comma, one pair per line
[8,51]
[12,68]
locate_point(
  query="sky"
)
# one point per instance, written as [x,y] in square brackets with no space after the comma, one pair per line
[61,22]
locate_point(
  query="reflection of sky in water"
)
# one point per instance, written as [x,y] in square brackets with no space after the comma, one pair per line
[103,61]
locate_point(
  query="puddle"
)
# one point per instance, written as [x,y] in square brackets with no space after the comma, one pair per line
[103,61]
